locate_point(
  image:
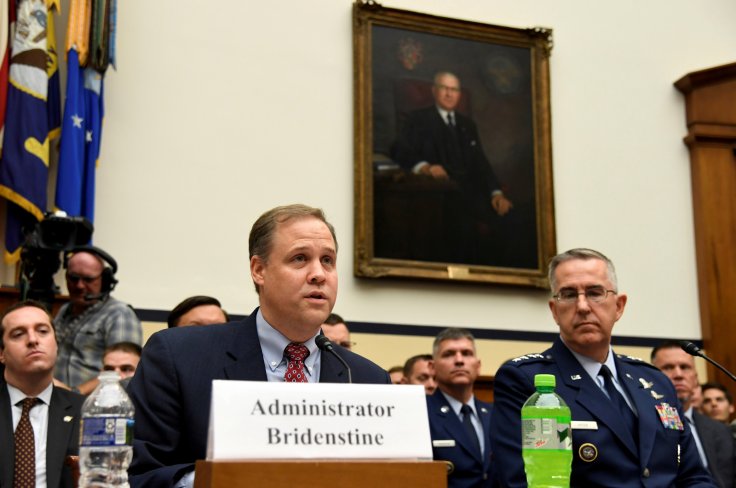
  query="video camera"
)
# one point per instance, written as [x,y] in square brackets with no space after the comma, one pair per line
[41,253]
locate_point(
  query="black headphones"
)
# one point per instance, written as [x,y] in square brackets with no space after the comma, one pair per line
[108,273]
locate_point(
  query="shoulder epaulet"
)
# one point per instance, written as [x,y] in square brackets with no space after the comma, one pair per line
[630,358]
[635,360]
[533,357]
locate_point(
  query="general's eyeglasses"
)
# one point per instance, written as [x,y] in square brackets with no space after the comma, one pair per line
[594,294]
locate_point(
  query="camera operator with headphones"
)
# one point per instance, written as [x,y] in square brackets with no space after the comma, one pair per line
[92,320]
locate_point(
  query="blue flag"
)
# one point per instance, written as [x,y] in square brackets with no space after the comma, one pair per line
[25,157]
[71,174]
[81,133]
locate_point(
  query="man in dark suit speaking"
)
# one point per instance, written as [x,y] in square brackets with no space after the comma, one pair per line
[440,142]
[293,263]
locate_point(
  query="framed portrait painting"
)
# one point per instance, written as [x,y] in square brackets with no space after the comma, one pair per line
[453,158]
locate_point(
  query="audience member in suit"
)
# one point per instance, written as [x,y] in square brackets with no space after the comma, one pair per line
[630,430]
[293,264]
[713,439]
[28,352]
[396,373]
[122,358]
[197,310]
[336,330]
[458,422]
[418,371]
[443,144]
[717,402]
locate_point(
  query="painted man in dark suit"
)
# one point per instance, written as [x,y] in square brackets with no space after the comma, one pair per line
[28,353]
[293,263]
[459,423]
[443,144]
[713,439]
[627,427]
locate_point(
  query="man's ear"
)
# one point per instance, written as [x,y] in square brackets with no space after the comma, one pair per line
[257,267]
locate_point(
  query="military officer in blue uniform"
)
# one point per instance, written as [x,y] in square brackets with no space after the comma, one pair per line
[628,427]
[459,423]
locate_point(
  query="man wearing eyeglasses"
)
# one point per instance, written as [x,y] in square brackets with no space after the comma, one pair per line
[92,320]
[628,428]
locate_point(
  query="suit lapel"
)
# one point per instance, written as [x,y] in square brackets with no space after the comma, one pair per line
[590,396]
[705,433]
[244,355]
[57,438]
[450,423]
[331,370]
[7,447]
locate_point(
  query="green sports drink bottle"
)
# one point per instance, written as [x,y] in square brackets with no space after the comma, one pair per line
[546,440]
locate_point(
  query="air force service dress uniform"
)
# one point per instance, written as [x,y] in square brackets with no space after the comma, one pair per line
[451,443]
[604,453]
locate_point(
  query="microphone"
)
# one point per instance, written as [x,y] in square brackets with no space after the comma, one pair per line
[694,350]
[89,297]
[324,344]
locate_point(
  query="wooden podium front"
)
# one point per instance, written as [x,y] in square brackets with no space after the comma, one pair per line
[315,473]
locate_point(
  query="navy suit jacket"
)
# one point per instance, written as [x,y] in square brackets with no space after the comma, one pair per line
[62,437]
[468,467]
[172,388]
[718,445]
[603,456]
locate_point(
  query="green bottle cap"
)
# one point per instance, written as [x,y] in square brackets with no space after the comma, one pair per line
[544,380]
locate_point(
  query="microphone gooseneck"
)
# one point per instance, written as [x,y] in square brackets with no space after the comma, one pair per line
[694,350]
[324,344]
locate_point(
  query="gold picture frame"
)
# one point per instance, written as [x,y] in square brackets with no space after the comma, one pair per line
[413,223]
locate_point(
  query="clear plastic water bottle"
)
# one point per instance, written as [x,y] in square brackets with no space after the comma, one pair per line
[106,440]
[546,444]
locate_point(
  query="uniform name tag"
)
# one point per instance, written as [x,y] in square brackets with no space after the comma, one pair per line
[444,443]
[584,425]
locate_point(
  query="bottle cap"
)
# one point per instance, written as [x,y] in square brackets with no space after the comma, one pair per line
[108,375]
[544,380]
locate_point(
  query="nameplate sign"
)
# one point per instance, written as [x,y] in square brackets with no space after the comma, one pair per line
[270,420]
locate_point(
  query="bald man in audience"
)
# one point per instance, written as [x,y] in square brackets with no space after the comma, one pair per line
[198,310]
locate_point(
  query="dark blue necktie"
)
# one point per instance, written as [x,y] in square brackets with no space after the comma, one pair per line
[467,414]
[626,413]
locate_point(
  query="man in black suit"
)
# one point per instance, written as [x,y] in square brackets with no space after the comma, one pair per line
[458,422]
[293,257]
[443,144]
[714,440]
[28,352]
